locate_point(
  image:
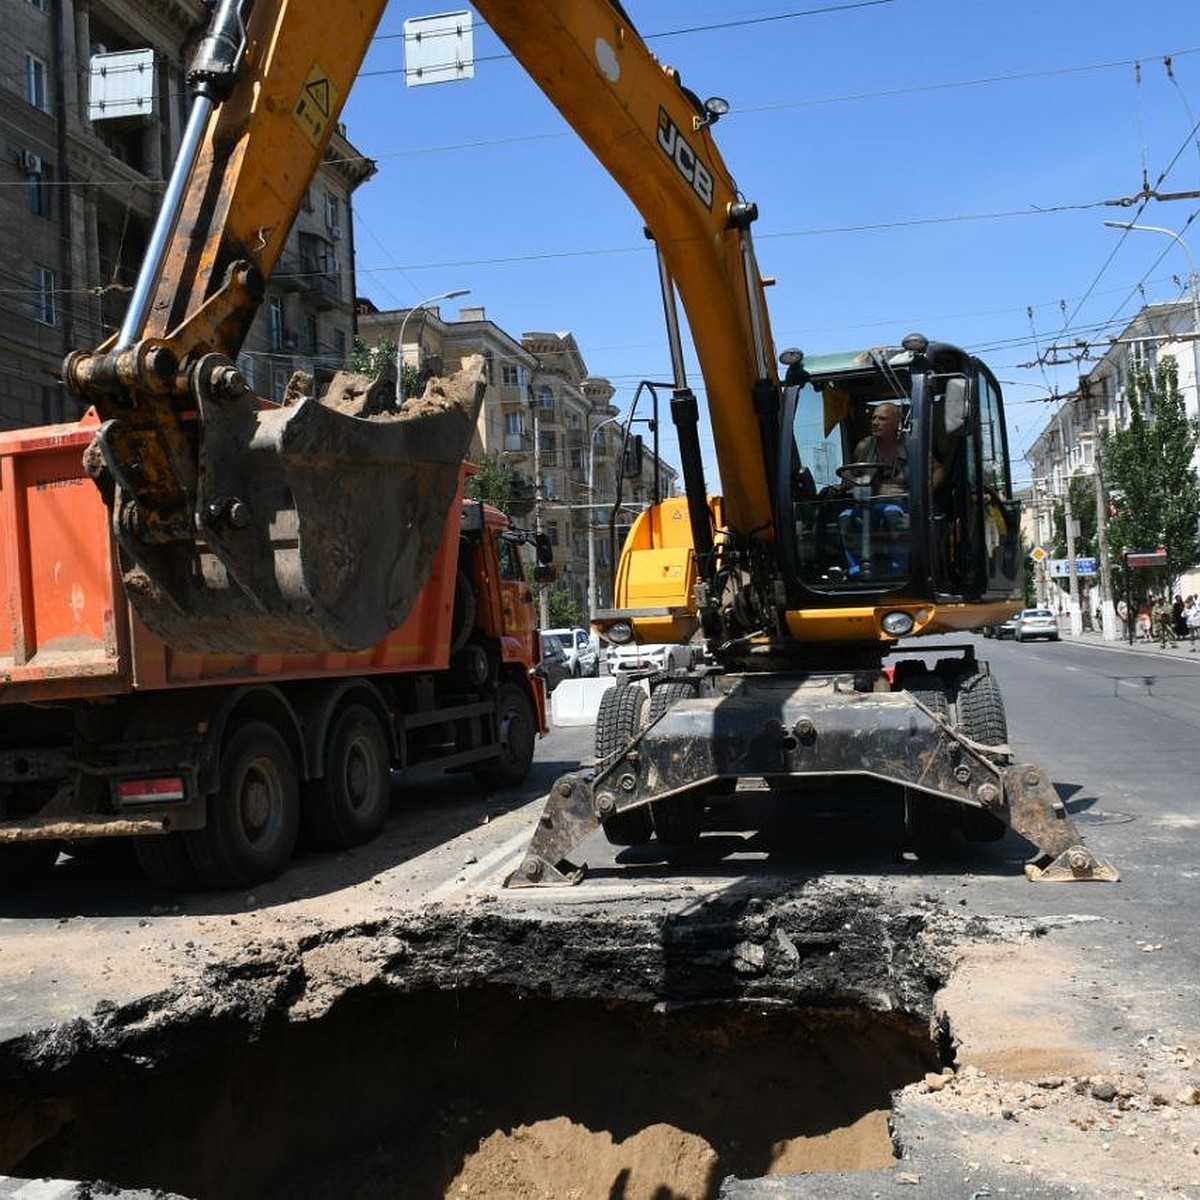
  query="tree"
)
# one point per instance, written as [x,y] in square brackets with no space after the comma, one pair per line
[380,358]
[493,484]
[1153,490]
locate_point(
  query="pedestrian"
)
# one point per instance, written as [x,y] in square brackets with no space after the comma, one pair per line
[1192,609]
[1178,620]
[1162,622]
[1142,622]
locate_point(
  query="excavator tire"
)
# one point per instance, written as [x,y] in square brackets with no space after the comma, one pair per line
[622,713]
[982,718]
[679,821]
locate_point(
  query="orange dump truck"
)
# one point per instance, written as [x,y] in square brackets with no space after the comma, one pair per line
[211,762]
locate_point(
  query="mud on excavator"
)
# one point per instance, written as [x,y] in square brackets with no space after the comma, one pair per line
[249,527]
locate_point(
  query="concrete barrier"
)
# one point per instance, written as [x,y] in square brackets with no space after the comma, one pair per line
[577,701]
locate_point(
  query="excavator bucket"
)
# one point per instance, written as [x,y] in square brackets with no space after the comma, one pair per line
[318,520]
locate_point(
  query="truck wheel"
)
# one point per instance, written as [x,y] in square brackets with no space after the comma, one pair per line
[22,864]
[165,861]
[253,820]
[982,718]
[517,729]
[349,805]
[678,822]
[621,715]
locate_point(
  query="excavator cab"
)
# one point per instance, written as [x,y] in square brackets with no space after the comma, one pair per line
[936,520]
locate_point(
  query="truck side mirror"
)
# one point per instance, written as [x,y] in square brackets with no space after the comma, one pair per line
[545,549]
[544,574]
[957,408]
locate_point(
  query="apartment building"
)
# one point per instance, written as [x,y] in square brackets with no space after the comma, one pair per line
[94,105]
[546,418]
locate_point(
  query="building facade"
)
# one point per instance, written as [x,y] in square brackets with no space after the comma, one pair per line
[95,103]
[554,425]
[1067,446]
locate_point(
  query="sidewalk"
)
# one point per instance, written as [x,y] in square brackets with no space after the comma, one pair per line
[1185,649]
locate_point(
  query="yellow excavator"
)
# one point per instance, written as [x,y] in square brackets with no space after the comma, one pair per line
[249,527]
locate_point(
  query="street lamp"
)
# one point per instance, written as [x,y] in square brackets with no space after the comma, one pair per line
[591,479]
[400,339]
[1193,286]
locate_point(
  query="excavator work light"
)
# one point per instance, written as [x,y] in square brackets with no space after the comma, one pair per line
[897,624]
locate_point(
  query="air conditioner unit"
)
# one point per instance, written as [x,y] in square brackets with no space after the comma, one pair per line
[29,162]
[335,232]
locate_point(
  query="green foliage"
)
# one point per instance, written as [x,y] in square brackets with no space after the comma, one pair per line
[1083,509]
[1155,497]
[494,483]
[564,610]
[380,359]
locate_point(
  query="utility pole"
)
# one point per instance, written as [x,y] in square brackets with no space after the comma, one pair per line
[538,497]
[1073,574]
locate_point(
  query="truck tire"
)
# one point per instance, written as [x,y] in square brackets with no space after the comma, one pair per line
[254,818]
[679,821]
[349,804]
[22,864]
[517,730]
[622,713]
[165,861]
[982,718]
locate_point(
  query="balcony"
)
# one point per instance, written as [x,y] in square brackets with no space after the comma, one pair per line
[324,290]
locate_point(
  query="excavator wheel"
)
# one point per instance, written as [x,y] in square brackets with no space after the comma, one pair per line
[679,821]
[622,713]
[982,718]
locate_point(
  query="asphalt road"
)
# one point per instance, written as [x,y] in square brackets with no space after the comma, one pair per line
[1111,979]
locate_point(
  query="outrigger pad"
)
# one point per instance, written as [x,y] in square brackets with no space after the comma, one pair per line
[319,521]
[1075,865]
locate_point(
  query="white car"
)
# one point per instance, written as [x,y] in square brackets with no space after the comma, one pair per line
[634,661]
[582,655]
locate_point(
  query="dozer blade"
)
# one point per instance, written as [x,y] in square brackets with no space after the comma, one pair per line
[317,522]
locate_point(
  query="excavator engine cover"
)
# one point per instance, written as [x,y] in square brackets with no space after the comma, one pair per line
[316,522]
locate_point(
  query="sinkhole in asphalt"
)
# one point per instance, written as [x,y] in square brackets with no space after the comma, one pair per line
[484,1093]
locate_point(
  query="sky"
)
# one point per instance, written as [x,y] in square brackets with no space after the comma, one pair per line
[942,166]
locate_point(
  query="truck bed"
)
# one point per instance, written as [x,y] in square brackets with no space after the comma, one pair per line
[68,631]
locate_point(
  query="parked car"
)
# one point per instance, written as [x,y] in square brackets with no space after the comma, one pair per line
[553,666]
[633,661]
[582,655]
[1006,629]
[1032,623]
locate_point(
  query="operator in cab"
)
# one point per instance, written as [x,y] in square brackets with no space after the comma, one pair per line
[886,450]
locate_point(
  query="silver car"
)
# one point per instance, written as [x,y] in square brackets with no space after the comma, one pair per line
[1033,623]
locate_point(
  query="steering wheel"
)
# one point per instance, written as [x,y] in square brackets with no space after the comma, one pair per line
[859,474]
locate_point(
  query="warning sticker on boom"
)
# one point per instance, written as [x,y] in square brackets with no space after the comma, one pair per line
[315,105]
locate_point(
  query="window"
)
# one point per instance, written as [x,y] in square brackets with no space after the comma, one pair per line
[37,87]
[339,345]
[489,366]
[514,422]
[333,215]
[245,365]
[513,375]
[279,382]
[545,398]
[40,5]
[548,446]
[275,322]
[577,463]
[40,193]
[45,305]
[552,532]
[310,333]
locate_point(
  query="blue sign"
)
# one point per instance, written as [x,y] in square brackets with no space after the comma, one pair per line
[1060,568]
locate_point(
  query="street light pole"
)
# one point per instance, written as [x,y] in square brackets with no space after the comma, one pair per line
[1193,284]
[591,480]
[400,338]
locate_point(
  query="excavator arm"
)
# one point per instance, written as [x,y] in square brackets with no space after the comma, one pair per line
[246,526]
